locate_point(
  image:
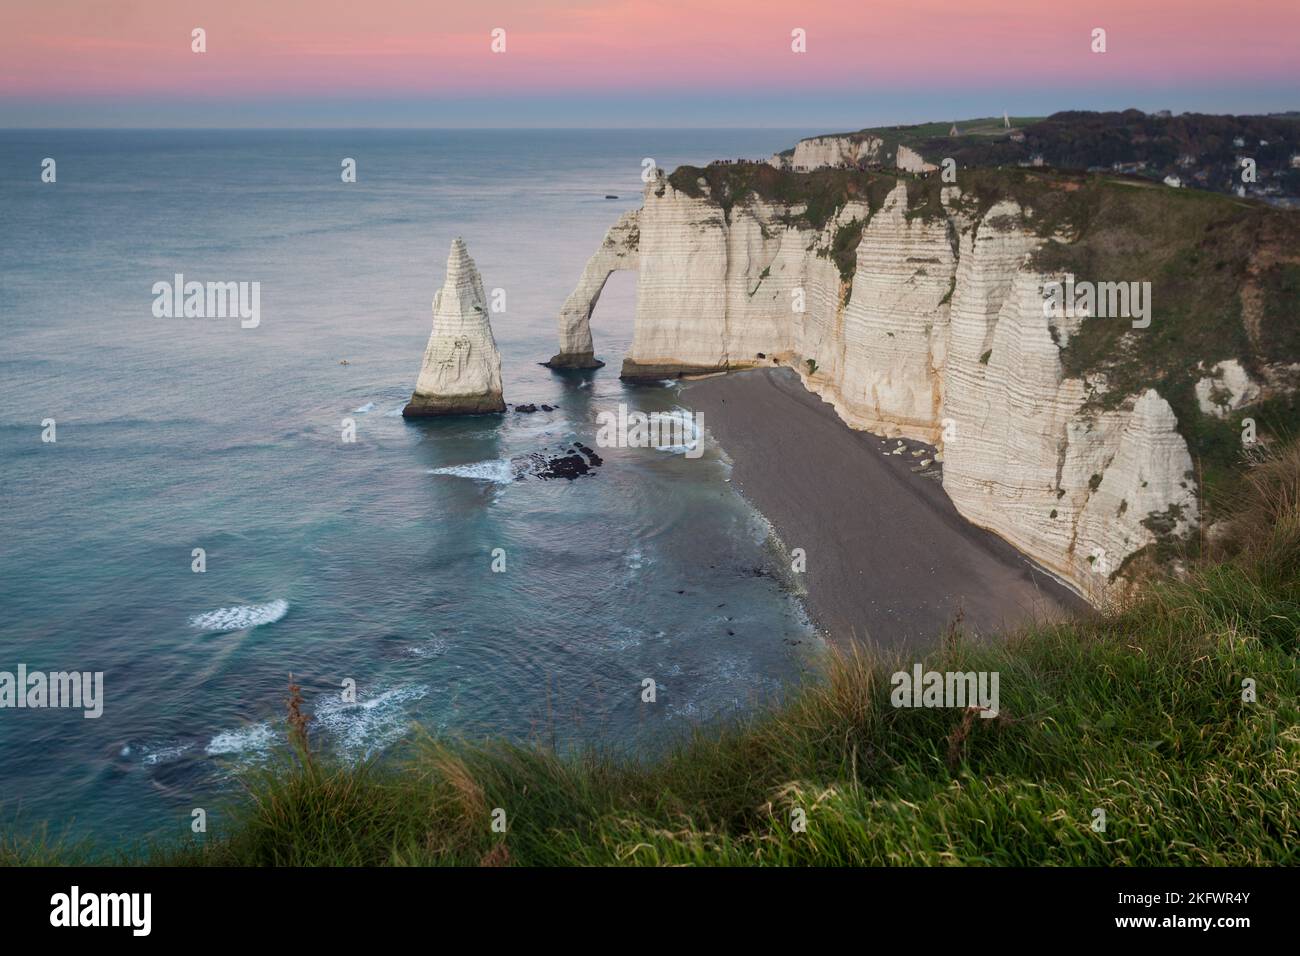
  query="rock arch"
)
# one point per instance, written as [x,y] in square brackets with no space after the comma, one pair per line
[619,250]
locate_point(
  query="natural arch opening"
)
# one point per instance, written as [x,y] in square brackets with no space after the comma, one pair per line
[618,251]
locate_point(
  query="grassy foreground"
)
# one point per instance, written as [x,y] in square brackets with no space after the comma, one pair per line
[1137,711]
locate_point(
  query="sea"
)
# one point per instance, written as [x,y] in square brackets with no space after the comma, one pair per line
[182,511]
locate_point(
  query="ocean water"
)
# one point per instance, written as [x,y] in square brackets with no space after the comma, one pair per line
[368,561]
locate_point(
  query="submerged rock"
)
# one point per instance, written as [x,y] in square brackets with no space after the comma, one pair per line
[579,461]
[461,371]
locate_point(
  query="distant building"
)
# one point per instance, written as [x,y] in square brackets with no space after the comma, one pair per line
[1186,160]
[1017,136]
[1164,114]
[954,131]
[1239,142]
[1006,120]
[1174,182]
[1295,160]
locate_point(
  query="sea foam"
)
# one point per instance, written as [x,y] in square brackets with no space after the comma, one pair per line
[240,616]
[255,739]
[368,726]
[684,424]
[499,471]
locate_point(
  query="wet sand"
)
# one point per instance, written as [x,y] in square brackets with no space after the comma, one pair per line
[890,562]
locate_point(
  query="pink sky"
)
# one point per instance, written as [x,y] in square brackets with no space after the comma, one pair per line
[325,48]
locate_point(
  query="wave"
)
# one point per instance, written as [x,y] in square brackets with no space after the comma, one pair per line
[152,754]
[357,730]
[435,648]
[683,424]
[240,616]
[367,407]
[164,754]
[366,727]
[499,471]
[255,740]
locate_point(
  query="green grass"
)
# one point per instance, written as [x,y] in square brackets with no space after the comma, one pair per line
[1137,711]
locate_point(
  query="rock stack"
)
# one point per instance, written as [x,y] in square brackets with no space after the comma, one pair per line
[461,372]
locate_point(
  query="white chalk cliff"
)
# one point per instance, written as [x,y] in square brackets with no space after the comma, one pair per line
[461,371]
[938,334]
[1227,388]
[911,161]
[835,150]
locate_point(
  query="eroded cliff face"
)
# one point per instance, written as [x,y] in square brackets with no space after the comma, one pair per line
[934,329]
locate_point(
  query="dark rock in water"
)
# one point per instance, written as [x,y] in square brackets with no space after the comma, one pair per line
[574,461]
[526,409]
[592,458]
[569,362]
[566,466]
[548,408]
[579,461]
[529,408]
[609,196]
[563,466]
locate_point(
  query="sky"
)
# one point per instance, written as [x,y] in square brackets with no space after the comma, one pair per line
[632,63]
